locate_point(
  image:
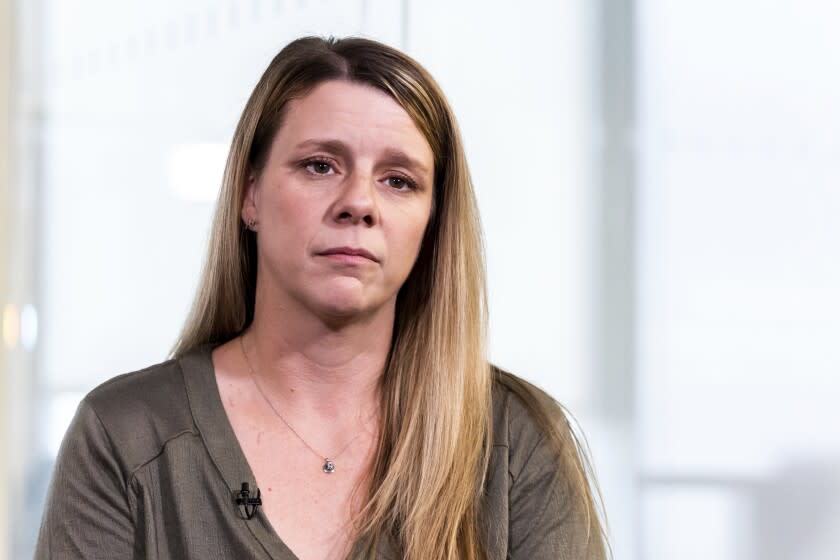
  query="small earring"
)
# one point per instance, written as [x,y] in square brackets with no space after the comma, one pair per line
[251,223]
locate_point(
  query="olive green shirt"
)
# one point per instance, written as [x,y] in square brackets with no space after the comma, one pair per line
[150,465]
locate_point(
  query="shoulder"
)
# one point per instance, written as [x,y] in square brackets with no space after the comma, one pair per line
[521,415]
[155,392]
[550,507]
[140,411]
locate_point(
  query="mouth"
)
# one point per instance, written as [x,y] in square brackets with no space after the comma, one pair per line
[349,254]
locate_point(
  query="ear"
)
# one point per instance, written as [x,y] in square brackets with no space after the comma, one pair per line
[250,200]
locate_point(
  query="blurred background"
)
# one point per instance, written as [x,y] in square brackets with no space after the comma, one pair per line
[659,183]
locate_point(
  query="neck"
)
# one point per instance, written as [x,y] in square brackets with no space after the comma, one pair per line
[316,369]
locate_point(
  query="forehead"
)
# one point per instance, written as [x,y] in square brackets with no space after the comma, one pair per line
[357,114]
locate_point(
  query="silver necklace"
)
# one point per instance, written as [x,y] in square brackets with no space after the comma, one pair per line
[329,464]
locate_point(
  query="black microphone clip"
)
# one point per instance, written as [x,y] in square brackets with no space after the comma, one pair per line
[247,505]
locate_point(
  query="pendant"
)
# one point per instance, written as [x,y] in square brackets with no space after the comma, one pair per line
[329,466]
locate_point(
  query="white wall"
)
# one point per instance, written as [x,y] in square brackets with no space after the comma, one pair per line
[736,248]
[740,263]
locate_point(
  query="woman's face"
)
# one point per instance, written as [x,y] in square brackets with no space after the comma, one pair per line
[347,168]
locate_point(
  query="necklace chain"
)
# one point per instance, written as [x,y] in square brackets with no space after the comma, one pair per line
[329,464]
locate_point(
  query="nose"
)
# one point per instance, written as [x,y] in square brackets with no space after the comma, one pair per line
[357,199]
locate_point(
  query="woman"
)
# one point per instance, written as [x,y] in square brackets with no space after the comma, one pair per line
[334,358]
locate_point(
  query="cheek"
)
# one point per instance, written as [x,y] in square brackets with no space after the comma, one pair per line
[407,241]
[285,235]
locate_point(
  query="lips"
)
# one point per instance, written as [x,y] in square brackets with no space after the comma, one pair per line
[356,251]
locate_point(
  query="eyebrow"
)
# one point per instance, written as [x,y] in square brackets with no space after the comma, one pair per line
[392,156]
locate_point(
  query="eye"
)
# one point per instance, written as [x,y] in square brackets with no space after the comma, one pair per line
[317,166]
[400,182]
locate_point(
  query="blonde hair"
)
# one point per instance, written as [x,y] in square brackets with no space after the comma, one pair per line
[429,468]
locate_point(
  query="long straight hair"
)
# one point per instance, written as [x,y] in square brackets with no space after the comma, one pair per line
[430,465]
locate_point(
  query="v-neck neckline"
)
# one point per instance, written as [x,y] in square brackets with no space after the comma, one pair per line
[224,448]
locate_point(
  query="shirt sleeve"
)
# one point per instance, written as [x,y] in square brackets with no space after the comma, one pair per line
[545,522]
[87,512]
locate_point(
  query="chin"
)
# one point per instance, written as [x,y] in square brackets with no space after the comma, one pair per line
[344,306]
[344,311]
[344,301]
